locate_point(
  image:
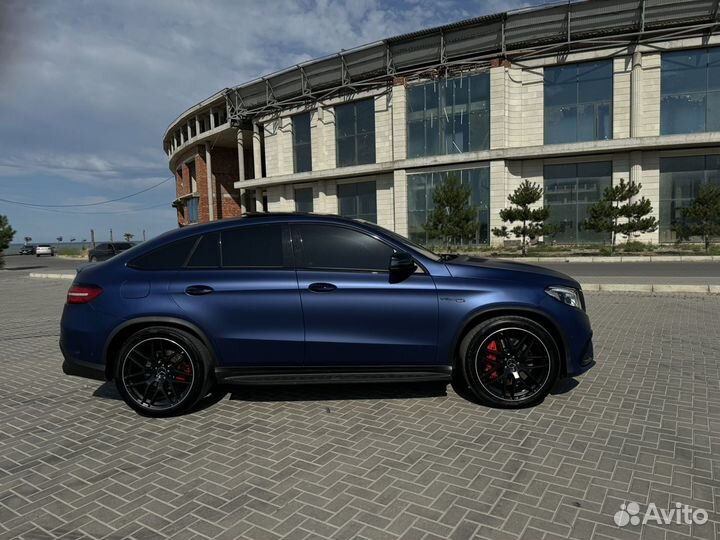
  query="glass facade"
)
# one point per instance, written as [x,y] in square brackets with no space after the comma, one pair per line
[569,191]
[578,102]
[690,90]
[680,181]
[304,199]
[420,201]
[449,116]
[302,149]
[357,200]
[355,133]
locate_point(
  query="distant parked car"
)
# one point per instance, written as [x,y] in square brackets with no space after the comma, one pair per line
[102,252]
[44,249]
[27,250]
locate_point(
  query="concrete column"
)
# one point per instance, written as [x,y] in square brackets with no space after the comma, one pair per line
[257,150]
[636,95]
[210,190]
[197,126]
[212,118]
[636,167]
[241,170]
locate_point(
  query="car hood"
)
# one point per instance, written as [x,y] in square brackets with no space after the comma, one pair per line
[474,267]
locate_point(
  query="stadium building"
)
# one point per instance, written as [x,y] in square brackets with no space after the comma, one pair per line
[573,96]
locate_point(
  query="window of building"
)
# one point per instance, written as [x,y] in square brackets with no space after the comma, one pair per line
[449,116]
[169,257]
[193,177]
[690,90]
[302,149]
[193,128]
[253,246]
[355,132]
[304,199]
[358,200]
[204,124]
[680,181]
[193,204]
[331,247]
[569,191]
[219,116]
[421,188]
[578,102]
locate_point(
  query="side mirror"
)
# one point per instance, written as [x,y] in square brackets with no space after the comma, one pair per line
[402,266]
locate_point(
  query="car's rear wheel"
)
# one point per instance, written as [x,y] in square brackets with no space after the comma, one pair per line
[510,361]
[163,371]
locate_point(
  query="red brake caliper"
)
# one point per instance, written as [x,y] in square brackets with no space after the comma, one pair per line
[491,359]
[186,368]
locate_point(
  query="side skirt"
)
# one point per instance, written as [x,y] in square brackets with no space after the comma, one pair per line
[331,375]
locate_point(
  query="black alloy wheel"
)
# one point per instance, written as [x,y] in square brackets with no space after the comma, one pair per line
[510,361]
[162,371]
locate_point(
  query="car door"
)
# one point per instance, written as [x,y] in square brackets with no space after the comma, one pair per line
[353,315]
[239,286]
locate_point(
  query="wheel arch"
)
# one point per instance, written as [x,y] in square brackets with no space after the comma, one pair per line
[534,314]
[126,329]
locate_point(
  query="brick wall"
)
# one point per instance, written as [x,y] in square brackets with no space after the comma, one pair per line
[225,174]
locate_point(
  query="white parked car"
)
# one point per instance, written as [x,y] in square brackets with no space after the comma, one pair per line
[44,249]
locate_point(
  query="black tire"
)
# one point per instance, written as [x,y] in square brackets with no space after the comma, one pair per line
[163,371]
[509,361]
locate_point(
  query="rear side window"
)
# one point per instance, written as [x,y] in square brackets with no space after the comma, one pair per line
[122,245]
[207,252]
[338,248]
[253,246]
[169,257]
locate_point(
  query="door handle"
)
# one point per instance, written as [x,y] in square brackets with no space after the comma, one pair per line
[198,290]
[322,287]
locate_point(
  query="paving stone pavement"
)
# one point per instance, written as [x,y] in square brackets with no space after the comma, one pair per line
[409,462]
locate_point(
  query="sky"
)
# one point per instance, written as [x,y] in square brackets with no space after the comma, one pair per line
[88,87]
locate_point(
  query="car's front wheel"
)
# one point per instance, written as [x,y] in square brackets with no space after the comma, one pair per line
[163,371]
[510,361]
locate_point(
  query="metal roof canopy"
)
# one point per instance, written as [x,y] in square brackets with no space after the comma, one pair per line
[519,34]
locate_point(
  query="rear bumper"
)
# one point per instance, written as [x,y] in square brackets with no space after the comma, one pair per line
[78,368]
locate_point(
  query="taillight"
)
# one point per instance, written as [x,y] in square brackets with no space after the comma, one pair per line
[82,294]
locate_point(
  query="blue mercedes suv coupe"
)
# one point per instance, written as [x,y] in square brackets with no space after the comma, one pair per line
[303,298]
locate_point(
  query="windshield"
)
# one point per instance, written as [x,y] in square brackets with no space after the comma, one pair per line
[417,247]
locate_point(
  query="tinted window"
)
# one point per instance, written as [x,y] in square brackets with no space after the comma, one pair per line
[101,247]
[169,257]
[207,252]
[122,245]
[254,246]
[331,247]
[355,133]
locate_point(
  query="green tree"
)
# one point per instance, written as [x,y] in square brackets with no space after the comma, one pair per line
[453,219]
[616,213]
[702,218]
[533,220]
[128,236]
[7,233]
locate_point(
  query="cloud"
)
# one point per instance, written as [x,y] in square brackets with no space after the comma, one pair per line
[88,88]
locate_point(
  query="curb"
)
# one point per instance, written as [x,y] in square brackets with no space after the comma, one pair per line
[51,276]
[618,259]
[651,288]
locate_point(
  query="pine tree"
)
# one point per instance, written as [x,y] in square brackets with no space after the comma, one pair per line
[453,219]
[616,214]
[6,236]
[702,218]
[533,219]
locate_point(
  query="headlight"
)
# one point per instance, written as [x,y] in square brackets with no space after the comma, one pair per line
[566,295]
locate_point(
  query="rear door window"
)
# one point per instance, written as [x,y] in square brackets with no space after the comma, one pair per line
[253,246]
[206,253]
